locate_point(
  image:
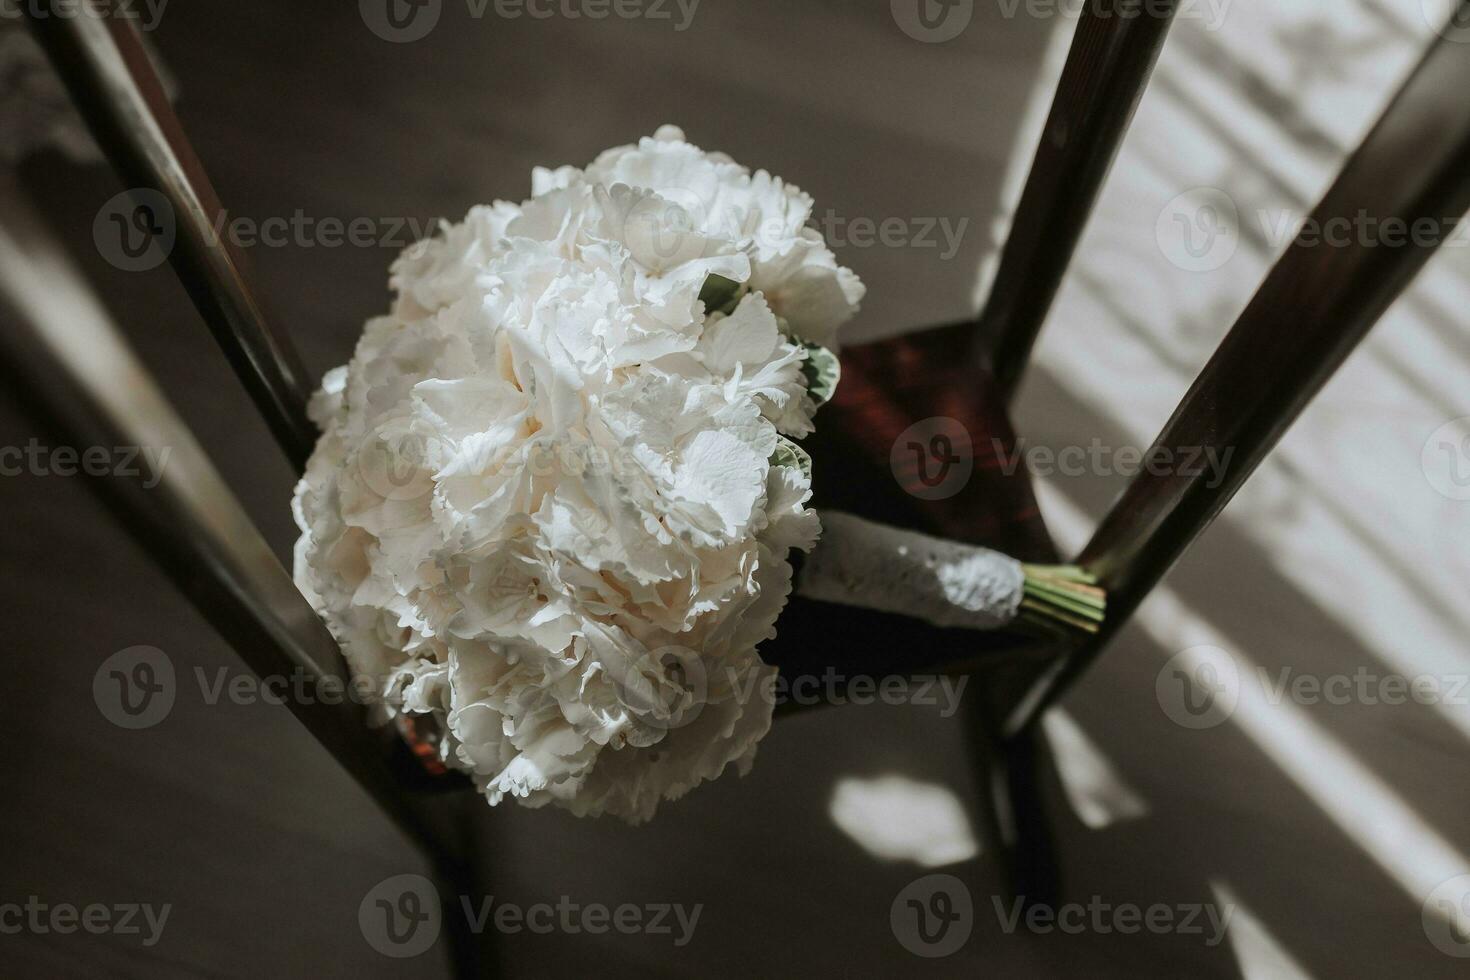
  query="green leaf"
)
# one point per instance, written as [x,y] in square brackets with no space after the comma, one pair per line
[789,453]
[720,295]
[823,371]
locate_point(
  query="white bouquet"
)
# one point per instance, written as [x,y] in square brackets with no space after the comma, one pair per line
[555,494]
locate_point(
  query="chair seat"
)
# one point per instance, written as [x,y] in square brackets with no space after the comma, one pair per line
[888,386]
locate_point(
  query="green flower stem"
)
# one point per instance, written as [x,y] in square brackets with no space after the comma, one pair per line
[1062,599]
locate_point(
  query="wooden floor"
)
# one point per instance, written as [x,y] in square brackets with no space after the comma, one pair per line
[264,851]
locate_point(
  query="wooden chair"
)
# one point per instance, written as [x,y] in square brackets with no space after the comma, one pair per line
[65,356]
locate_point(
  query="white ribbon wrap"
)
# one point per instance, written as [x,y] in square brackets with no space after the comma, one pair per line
[945,583]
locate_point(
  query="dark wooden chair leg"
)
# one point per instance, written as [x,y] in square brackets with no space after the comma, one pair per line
[1012,773]
[472,954]
[1027,766]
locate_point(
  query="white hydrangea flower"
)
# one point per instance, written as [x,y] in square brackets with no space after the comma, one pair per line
[553,499]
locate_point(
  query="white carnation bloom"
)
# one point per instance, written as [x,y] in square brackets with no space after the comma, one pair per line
[767,217]
[551,507]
